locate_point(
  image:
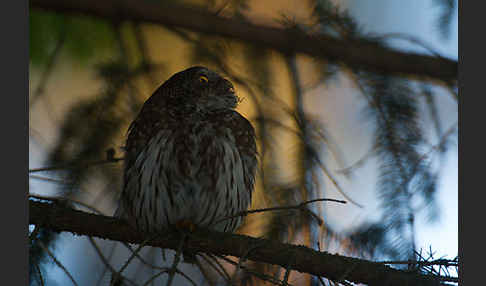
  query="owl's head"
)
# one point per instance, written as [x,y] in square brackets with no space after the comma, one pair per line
[201,89]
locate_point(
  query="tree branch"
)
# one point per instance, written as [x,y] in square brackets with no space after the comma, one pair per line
[353,53]
[334,267]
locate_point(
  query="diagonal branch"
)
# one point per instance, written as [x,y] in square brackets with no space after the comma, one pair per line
[334,267]
[358,54]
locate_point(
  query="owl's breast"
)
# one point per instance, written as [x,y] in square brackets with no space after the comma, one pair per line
[193,173]
[194,157]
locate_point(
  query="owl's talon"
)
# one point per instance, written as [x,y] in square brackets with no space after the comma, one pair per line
[185,225]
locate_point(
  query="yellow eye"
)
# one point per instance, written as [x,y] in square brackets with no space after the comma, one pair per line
[203,79]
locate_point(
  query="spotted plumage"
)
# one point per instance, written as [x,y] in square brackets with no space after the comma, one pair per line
[189,156]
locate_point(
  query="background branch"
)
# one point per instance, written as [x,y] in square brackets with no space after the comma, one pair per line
[355,53]
[61,218]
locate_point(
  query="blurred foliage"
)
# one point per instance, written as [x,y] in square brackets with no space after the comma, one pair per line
[446,15]
[38,258]
[334,21]
[85,39]
[102,119]
[403,173]
[92,126]
[372,239]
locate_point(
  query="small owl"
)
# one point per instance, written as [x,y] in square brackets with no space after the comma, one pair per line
[190,157]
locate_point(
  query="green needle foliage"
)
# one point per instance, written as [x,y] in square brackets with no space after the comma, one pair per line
[84,39]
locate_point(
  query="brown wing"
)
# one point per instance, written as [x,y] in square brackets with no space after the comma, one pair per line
[245,142]
[150,120]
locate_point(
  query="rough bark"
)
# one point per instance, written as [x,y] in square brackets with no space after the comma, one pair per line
[296,257]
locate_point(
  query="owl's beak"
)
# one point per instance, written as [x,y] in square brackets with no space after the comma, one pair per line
[229,86]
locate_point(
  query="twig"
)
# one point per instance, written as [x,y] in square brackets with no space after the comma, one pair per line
[34,233]
[285,281]
[443,262]
[432,149]
[105,261]
[186,276]
[292,207]
[434,113]
[176,260]
[442,141]
[259,275]
[41,278]
[220,270]
[335,183]
[428,266]
[153,277]
[64,199]
[243,259]
[134,254]
[359,162]
[57,181]
[204,271]
[321,280]
[319,277]
[59,264]
[142,260]
[413,40]
[308,151]
[342,279]
[70,166]
[168,270]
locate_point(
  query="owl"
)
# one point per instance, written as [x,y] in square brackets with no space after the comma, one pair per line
[190,156]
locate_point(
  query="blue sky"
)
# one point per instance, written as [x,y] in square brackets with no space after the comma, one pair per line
[419,19]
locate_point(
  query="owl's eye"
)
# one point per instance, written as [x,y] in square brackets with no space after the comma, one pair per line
[203,79]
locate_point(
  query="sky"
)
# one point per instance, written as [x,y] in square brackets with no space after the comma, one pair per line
[419,19]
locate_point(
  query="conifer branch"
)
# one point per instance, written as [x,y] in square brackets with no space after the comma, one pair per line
[357,54]
[335,267]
